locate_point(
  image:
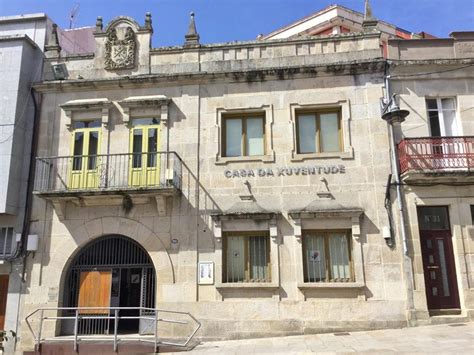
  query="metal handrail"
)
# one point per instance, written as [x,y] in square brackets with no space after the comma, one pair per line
[436,153]
[116,317]
[108,172]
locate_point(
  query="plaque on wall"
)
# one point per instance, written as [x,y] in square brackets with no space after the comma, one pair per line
[206,273]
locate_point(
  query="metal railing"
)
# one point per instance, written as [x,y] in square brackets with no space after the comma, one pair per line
[108,172]
[112,314]
[436,154]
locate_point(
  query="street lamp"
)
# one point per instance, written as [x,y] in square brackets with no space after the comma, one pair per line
[392,113]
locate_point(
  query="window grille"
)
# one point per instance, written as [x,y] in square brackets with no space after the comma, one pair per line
[247,258]
[327,256]
[6,241]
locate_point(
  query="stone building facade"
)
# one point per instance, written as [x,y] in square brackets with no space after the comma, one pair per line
[434,79]
[244,183]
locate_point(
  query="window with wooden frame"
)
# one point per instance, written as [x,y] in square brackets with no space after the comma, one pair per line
[318,131]
[243,135]
[246,257]
[327,256]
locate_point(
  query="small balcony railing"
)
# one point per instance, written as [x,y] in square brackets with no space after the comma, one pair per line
[436,154]
[108,173]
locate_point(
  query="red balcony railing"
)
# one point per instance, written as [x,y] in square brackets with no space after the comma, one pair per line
[436,154]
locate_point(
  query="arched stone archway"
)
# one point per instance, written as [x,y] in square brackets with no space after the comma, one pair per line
[113,272]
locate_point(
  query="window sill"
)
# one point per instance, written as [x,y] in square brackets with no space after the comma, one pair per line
[244,159]
[248,285]
[321,285]
[339,155]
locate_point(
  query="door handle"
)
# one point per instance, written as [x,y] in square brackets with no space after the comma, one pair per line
[433,267]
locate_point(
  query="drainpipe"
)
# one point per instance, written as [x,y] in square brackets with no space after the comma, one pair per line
[394,116]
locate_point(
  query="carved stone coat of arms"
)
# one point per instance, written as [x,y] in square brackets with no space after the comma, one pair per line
[120,53]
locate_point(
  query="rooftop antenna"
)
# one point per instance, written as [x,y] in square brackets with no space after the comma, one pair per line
[73,15]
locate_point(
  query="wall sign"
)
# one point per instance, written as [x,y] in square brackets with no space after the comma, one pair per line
[286,171]
[206,273]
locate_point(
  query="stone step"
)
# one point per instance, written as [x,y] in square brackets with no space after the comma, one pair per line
[100,347]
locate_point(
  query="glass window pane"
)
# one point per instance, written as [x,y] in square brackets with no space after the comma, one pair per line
[339,257]
[235,268]
[472,214]
[255,136]
[444,269]
[433,218]
[233,137]
[329,125]
[307,134]
[450,125]
[152,147]
[315,258]
[434,123]
[78,124]
[8,241]
[258,258]
[93,147]
[431,104]
[137,148]
[77,150]
[93,124]
[448,104]
[145,121]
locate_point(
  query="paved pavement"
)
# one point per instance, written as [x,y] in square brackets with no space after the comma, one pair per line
[439,339]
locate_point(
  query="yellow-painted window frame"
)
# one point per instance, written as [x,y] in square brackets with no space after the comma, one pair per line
[145,179]
[85,182]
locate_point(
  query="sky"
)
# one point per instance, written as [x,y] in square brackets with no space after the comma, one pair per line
[230,20]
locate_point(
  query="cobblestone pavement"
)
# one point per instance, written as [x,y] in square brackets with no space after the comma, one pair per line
[439,339]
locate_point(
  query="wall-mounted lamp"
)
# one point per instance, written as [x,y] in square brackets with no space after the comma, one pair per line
[391,112]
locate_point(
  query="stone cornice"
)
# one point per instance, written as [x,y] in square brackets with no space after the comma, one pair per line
[266,43]
[256,75]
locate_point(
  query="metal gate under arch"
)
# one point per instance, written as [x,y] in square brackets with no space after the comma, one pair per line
[116,254]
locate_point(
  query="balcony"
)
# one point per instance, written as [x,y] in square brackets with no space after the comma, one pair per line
[437,157]
[89,177]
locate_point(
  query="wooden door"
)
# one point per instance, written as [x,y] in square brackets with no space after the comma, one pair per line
[94,291]
[439,270]
[438,257]
[3,299]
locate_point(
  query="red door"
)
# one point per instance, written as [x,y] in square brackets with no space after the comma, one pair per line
[3,299]
[438,258]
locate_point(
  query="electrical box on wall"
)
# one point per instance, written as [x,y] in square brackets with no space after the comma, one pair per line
[32,244]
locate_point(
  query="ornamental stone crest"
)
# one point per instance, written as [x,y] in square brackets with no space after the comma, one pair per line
[120,53]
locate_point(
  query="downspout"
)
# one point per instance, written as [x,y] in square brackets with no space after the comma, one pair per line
[407,262]
[198,177]
[28,205]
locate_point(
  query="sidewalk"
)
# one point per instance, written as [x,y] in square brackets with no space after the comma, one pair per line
[452,338]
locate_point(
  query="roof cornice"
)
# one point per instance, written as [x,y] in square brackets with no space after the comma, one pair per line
[256,75]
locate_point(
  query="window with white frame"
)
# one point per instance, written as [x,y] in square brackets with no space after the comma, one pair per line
[442,116]
[6,241]
[246,257]
[327,256]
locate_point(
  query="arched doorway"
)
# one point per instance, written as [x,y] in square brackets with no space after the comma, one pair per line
[111,271]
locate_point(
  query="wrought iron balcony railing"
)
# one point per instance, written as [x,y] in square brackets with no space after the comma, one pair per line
[436,154]
[111,172]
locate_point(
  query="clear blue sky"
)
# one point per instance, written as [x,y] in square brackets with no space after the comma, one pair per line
[229,20]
